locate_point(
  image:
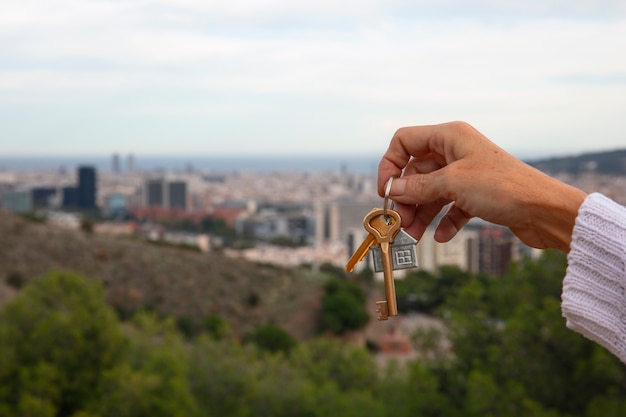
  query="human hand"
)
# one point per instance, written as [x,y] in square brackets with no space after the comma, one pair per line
[454,164]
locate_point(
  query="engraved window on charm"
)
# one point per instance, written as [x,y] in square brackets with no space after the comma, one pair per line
[403,257]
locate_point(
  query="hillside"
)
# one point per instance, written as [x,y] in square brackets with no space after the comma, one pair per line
[605,163]
[171,281]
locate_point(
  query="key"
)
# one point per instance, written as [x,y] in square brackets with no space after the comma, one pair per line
[360,253]
[362,250]
[384,225]
[370,240]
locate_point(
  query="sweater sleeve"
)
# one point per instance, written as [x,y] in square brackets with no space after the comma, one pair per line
[593,298]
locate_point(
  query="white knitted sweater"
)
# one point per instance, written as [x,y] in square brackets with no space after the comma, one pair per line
[593,299]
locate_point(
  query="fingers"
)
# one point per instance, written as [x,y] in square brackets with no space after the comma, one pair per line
[443,143]
[405,143]
[427,188]
[422,160]
[409,189]
[422,165]
[450,224]
[415,219]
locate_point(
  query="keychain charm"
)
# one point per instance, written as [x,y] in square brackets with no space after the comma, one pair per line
[403,253]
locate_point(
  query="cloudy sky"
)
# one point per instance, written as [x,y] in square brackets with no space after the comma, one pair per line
[265,77]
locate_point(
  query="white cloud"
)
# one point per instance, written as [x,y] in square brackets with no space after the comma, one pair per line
[355,65]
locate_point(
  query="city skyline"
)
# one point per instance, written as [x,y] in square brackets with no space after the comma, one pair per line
[539,78]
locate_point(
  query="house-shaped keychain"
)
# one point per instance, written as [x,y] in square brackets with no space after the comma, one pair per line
[403,252]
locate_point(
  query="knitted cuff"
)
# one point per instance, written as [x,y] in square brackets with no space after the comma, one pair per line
[593,298]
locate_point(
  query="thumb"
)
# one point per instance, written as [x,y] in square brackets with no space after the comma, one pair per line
[418,189]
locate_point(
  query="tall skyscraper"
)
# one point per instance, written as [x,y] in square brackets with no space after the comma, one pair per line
[115,163]
[154,193]
[86,187]
[130,163]
[167,194]
[70,197]
[177,195]
[42,196]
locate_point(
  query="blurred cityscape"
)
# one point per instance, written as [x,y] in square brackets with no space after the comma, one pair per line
[288,218]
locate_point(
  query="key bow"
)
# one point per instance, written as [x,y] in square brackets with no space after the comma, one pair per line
[383,226]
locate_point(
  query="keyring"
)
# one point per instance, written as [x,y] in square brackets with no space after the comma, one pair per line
[386,202]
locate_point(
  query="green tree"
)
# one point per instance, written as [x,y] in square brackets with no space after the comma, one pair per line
[514,354]
[424,291]
[282,390]
[217,327]
[331,402]
[272,338]
[153,379]
[319,378]
[223,376]
[57,338]
[350,368]
[343,307]
[334,271]
[413,390]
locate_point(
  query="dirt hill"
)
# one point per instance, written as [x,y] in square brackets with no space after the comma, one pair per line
[170,281]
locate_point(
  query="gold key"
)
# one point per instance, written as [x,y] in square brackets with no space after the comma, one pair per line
[363,249]
[370,240]
[360,252]
[384,225]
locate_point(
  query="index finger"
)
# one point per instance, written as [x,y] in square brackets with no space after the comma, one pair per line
[407,142]
[444,143]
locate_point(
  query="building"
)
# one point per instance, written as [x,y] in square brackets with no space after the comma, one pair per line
[461,251]
[130,163]
[336,221]
[497,249]
[115,164]
[297,228]
[86,187]
[18,201]
[69,199]
[115,205]
[42,197]
[154,193]
[177,195]
[166,194]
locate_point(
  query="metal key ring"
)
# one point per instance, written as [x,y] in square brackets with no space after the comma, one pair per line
[386,202]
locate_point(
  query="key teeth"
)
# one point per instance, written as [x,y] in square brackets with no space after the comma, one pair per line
[382,310]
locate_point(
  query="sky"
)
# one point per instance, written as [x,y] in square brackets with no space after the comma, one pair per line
[327,77]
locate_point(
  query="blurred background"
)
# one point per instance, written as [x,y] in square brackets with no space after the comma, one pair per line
[182,183]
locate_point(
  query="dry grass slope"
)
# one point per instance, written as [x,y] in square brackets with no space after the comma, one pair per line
[170,281]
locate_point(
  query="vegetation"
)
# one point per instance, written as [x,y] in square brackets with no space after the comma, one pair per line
[187,285]
[505,352]
[425,292]
[272,338]
[343,307]
[58,339]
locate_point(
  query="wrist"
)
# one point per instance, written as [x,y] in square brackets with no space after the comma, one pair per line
[555,212]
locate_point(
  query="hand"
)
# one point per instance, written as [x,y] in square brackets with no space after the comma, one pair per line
[455,164]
